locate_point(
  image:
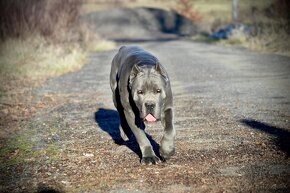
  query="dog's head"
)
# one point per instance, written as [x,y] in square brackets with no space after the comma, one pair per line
[148,89]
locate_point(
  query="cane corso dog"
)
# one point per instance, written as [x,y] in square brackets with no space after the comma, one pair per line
[142,93]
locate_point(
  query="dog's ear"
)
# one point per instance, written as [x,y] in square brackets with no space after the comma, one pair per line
[135,70]
[161,71]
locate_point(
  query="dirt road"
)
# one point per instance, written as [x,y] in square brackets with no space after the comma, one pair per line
[232,116]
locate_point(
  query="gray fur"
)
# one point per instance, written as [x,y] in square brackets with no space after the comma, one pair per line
[140,86]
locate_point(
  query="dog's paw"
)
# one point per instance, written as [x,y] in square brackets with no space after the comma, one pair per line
[150,160]
[166,154]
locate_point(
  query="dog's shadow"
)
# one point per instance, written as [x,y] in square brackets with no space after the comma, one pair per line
[109,121]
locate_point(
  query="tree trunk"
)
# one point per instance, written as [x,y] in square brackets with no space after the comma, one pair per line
[235,10]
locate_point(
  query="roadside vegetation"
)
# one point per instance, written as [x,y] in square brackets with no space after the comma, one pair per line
[39,39]
[267,19]
[43,38]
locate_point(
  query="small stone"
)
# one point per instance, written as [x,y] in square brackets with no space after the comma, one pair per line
[64,182]
[88,154]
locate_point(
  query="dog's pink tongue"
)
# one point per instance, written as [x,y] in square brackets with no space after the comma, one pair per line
[150,118]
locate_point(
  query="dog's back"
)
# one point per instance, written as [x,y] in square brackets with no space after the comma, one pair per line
[129,55]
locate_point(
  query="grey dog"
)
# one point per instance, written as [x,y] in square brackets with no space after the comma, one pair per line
[142,93]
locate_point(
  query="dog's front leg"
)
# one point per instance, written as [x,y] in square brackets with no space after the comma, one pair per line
[148,155]
[167,148]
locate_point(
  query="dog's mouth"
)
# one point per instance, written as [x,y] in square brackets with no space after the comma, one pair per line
[150,118]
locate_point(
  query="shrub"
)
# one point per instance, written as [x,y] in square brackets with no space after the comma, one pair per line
[53,19]
[186,8]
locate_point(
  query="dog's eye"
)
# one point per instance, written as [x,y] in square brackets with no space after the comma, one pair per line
[139,92]
[158,91]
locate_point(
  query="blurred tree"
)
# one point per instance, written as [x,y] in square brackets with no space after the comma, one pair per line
[186,8]
[235,10]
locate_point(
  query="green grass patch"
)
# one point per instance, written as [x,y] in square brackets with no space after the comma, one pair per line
[32,144]
[16,150]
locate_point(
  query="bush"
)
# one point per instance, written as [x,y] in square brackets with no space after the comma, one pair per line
[42,38]
[186,8]
[53,19]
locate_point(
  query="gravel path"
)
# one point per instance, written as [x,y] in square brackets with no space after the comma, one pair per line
[232,116]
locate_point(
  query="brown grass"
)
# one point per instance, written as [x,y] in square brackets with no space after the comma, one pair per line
[34,34]
[186,8]
[44,38]
[49,18]
[39,39]
[271,28]
[270,37]
[269,19]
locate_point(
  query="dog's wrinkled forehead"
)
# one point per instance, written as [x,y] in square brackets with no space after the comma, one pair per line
[150,78]
[147,72]
[147,77]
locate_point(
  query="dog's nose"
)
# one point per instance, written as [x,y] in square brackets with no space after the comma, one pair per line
[149,106]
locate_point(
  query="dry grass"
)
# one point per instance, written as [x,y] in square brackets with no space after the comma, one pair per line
[186,8]
[43,38]
[213,10]
[35,57]
[39,39]
[51,19]
[271,39]
[26,63]
[268,18]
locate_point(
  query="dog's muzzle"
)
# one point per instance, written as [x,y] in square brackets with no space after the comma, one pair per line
[150,112]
